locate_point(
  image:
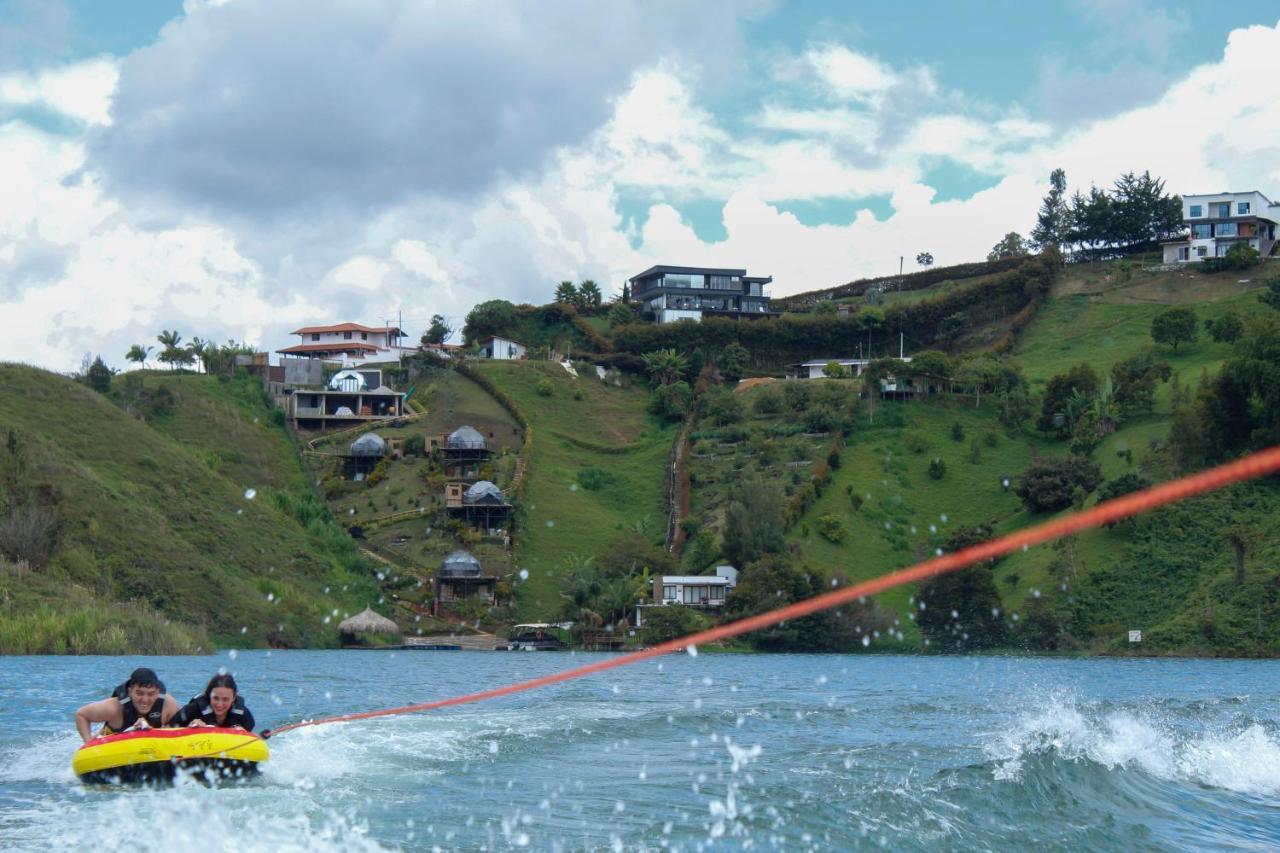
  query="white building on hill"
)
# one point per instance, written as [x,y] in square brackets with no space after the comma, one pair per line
[1219,221]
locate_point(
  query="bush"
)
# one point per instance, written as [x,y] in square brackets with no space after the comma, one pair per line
[595,479]
[545,388]
[415,445]
[671,402]
[915,441]
[795,396]
[768,402]
[1050,484]
[667,623]
[722,407]
[831,529]
[957,432]
[991,439]
[821,419]
[937,469]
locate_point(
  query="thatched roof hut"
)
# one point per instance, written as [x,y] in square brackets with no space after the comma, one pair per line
[366,622]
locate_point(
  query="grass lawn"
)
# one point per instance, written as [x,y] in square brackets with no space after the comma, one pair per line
[584,424]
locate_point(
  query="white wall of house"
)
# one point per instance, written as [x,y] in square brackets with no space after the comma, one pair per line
[506,350]
[384,340]
[1207,210]
[698,590]
[670,315]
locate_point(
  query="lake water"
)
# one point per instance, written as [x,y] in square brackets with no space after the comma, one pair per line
[690,753]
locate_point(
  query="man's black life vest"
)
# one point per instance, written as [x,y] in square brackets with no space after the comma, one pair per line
[200,709]
[129,711]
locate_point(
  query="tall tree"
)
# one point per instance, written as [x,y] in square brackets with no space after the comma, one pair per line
[438,332]
[566,293]
[1053,219]
[733,361]
[138,354]
[589,296]
[1010,246]
[172,354]
[924,259]
[664,366]
[99,376]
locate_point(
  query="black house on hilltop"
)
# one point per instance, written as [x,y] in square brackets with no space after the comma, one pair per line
[678,293]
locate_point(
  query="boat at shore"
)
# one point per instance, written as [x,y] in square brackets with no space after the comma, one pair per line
[158,755]
[536,637]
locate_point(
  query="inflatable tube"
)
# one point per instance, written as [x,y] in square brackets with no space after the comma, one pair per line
[156,755]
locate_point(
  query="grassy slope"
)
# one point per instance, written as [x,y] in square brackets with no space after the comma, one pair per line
[561,519]
[158,514]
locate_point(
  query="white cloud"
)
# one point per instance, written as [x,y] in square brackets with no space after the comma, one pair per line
[82,91]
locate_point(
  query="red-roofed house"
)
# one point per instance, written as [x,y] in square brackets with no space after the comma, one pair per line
[349,343]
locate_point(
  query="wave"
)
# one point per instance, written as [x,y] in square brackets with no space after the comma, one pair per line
[1241,756]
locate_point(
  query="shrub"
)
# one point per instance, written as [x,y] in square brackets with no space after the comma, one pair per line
[937,469]
[795,395]
[957,432]
[734,434]
[671,402]
[831,529]
[991,439]
[595,479]
[545,388]
[915,441]
[975,452]
[821,419]
[1225,329]
[768,402]
[415,445]
[723,407]
[1050,484]
[667,623]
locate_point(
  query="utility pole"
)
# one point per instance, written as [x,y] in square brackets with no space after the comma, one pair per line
[900,257]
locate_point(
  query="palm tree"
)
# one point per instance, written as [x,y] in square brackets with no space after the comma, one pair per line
[171,354]
[567,293]
[664,366]
[198,348]
[138,354]
[589,295]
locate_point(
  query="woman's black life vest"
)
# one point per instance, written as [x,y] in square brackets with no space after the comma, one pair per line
[200,709]
[129,711]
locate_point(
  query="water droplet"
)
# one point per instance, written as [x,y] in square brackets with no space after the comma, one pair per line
[692,651]
[222,670]
[943,517]
[933,528]
[866,640]
[239,512]
[573,487]
[328,695]
[233,654]
[1035,593]
[550,523]
[524,574]
[493,747]
[244,629]
[271,596]
[250,494]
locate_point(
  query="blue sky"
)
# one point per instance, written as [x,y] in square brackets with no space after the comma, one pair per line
[241,168]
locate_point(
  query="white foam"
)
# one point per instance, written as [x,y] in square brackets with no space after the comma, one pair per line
[1246,761]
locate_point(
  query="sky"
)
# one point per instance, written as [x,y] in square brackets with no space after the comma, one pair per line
[236,169]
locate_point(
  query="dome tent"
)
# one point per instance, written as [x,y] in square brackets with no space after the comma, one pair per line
[483,492]
[368,445]
[460,564]
[465,438]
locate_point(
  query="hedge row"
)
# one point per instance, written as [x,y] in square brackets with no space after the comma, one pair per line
[910,281]
[808,494]
[794,338]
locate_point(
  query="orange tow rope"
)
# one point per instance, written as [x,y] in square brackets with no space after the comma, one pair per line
[1255,465]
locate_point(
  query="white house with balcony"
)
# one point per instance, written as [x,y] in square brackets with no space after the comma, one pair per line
[1219,221]
[350,344]
[703,591]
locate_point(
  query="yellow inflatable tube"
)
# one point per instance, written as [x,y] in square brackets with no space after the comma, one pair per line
[156,755]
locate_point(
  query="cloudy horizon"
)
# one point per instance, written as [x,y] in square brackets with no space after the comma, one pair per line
[239,169]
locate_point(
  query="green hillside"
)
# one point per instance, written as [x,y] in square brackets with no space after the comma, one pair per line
[183,519]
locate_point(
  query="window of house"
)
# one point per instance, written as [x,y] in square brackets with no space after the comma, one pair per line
[315,336]
[668,592]
[1195,211]
[717,593]
[1200,251]
[1202,232]
[364,336]
[1242,208]
[695,594]
[1227,229]
[1224,209]
[346,336]
[1184,254]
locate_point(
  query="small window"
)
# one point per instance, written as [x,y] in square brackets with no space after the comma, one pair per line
[1242,208]
[1195,211]
[1200,251]
[346,336]
[315,336]
[364,336]
[668,592]
[1224,209]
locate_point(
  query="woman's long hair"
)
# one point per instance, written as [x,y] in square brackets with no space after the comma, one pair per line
[221,680]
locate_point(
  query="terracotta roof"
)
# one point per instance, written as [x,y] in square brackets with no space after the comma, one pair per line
[334,346]
[345,327]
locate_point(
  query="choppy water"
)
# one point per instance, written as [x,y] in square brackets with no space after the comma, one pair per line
[690,753]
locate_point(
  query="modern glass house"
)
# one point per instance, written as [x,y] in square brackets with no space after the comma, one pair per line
[680,293]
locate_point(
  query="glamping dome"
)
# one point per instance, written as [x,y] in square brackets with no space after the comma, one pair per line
[465,438]
[460,564]
[348,380]
[370,445]
[483,492]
